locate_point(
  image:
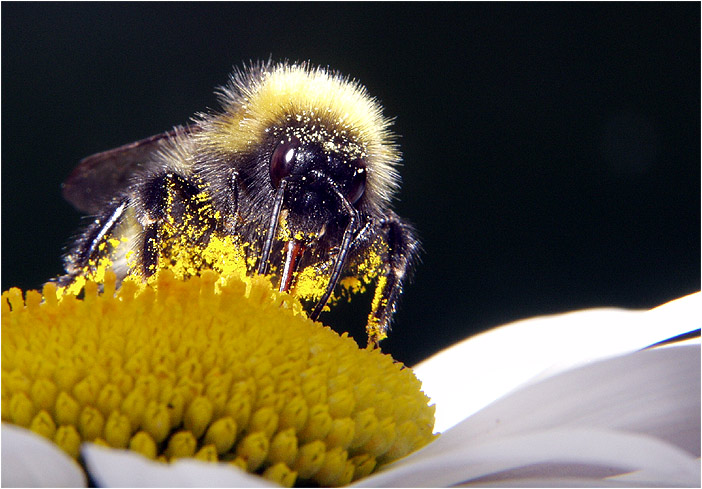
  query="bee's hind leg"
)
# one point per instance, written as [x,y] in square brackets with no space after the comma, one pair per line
[167,208]
[402,253]
[86,251]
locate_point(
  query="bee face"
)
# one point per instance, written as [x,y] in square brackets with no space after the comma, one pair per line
[315,175]
[299,166]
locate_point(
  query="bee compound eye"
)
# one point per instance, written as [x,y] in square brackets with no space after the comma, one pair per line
[358,182]
[283,160]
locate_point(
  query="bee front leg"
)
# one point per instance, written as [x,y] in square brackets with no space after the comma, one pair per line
[231,203]
[402,252]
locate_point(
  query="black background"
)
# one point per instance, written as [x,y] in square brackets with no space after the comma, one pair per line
[552,151]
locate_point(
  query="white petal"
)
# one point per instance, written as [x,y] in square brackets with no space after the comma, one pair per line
[605,452]
[555,481]
[494,363]
[29,460]
[654,392]
[647,404]
[123,468]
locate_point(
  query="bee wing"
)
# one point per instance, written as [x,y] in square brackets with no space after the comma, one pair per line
[100,177]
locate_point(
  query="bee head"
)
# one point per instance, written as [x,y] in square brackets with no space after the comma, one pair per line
[318,173]
[316,131]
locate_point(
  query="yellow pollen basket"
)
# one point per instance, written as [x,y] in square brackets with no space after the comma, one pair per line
[218,369]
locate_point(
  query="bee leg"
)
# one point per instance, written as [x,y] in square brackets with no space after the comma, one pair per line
[232,203]
[150,249]
[86,250]
[272,228]
[164,199]
[346,243]
[402,253]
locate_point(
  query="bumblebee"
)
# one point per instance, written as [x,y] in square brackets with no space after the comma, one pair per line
[293,177]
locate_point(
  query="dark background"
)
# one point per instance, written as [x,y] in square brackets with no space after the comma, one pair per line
[552,151]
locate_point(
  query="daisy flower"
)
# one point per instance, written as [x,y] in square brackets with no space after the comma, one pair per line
[149,386]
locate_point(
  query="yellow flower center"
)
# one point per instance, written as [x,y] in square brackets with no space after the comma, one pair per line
[181,368]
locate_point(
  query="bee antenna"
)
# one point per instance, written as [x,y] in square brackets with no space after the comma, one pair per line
[272,227]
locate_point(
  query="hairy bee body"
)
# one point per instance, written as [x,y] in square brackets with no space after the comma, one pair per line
[293,178]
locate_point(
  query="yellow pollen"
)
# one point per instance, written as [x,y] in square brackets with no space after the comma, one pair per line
[209,367]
